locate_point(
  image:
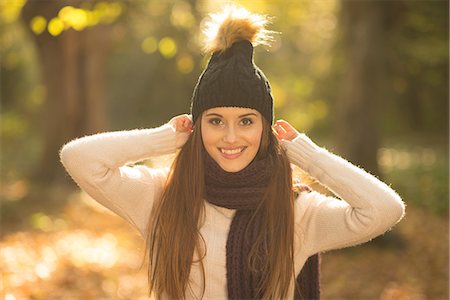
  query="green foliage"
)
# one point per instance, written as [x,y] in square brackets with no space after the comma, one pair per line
[417,99]
[419,172]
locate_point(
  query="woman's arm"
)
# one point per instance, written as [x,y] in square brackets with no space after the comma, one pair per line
[101,165]
[369,208]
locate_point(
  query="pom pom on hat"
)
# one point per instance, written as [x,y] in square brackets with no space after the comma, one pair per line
[234,24]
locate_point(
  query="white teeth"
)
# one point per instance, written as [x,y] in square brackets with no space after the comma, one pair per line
[232,151]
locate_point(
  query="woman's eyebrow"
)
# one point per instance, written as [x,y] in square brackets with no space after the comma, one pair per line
[241,116]
[246,115]
[214,114]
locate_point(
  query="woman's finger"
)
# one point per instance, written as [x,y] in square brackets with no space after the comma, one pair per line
[285,125]
[187,123]
[286,130]
[280,130]
[181,123]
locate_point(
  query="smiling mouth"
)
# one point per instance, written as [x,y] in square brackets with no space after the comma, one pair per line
[232,152]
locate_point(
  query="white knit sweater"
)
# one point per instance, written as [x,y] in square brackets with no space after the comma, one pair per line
[102,165]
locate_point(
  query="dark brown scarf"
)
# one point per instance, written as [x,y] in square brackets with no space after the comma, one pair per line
[243,191]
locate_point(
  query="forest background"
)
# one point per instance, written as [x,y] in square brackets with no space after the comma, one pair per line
[366,79]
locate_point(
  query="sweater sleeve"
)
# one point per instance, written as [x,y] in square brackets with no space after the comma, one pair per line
[367,208]
[103,166]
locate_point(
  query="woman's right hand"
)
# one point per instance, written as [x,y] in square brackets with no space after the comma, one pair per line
[183,127]
[285,131]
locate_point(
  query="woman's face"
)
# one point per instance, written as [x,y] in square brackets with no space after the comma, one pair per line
[232,135]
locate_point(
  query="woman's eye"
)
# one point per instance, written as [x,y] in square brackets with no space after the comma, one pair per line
[215,121]
[246,121]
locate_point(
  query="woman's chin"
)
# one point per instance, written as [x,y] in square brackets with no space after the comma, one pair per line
[233,167]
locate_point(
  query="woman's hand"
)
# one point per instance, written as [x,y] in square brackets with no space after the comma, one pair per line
[182,123]
[284,131]
[183,126]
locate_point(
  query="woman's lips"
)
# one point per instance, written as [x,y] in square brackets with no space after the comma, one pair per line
[232,153]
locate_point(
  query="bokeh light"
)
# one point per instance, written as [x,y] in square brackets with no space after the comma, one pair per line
[73,17]
[55,26]
[181,15]
[38,24]
[185,63]
[167,47]
[39,263]
[149,45]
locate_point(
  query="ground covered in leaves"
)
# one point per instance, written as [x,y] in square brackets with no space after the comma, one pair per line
[83,251]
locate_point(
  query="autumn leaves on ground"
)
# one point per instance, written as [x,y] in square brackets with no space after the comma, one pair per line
[82,251]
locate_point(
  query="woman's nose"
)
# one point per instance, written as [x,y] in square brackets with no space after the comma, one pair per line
[230,135]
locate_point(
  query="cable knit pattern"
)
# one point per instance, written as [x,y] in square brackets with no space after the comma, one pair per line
[243,191]
[238,190]
[102,165]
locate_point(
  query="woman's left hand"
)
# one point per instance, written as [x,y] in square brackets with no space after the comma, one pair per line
[284,131]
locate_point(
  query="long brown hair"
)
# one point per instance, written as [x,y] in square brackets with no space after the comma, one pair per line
[276,235]
[175,222]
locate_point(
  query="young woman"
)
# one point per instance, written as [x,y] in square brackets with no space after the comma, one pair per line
[225,222]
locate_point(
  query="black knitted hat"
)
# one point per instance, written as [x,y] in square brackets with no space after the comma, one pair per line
[231,77]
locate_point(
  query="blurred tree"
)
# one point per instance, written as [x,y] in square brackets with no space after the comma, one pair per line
[418,68]
[363,29]
[155,61]
[394,74]
[159,59]
[72,55]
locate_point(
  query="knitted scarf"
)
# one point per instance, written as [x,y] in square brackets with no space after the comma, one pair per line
[243,191]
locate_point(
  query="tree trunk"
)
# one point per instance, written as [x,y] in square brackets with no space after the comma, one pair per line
[362,87]
[72,71]
[365,26]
